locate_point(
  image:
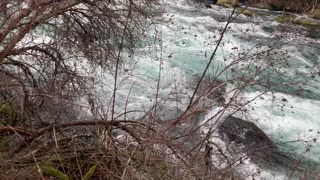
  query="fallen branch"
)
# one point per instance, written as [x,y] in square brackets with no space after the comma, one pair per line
[20,131]
[32,135]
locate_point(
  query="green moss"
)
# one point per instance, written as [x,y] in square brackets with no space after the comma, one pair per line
[90,173]
[246,12]
[49,170]
[294,20]
[227,3]
[306,22]
[284,19]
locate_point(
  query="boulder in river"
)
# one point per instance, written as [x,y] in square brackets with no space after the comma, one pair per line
[252,140]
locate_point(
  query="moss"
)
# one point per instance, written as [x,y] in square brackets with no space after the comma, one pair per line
[284,19]
[227,3]
[306,22]
[294,20]
[246,12]
[49,170]
[90,172]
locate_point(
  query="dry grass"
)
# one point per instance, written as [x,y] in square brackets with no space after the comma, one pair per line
[74,155]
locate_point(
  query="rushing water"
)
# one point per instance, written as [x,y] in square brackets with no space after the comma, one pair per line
[180,44]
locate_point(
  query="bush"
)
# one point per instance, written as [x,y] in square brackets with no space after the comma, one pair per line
[276,6]
[263,6]
[291,6]
[227,3]
[315,14]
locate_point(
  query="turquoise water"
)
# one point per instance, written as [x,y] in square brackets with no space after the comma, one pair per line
[180,45]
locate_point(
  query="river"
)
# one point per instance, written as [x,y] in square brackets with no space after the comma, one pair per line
[180,44]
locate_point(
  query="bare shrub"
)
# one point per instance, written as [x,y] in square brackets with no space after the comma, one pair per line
[48,50]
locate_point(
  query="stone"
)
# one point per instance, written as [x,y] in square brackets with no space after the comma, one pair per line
[252,140]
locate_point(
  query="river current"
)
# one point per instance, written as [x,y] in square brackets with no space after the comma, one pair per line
[180,44]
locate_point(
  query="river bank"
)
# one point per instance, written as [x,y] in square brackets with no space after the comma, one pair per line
[310,9]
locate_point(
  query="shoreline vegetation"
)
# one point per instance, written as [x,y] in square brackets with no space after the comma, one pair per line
[68,109]
[310,11]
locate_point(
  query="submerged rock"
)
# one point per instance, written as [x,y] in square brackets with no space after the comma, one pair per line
[249,139]
[252,141]
[244,132]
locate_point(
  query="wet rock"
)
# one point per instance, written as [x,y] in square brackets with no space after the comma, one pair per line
[252,141]
[244,132]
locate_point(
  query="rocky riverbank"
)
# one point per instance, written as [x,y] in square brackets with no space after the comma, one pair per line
[308,7]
